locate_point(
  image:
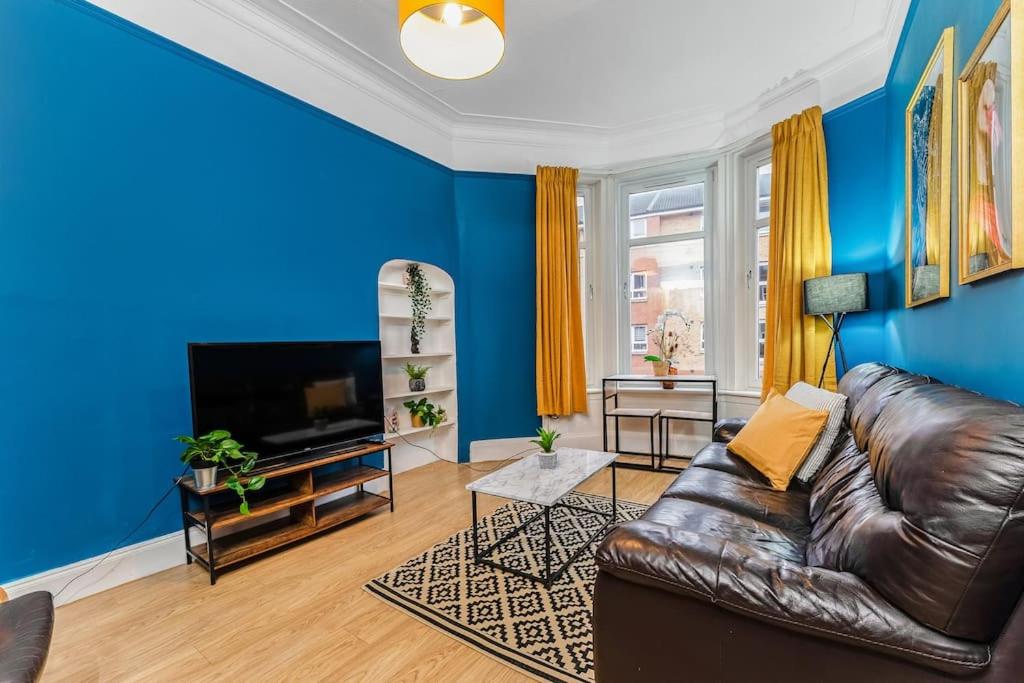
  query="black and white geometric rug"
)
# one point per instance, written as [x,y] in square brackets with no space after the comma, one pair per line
[545,633]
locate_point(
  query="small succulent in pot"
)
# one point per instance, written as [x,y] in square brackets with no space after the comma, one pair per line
[548,457]
[417,376]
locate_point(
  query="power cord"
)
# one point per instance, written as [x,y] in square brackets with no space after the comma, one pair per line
[500,463]
[120,544]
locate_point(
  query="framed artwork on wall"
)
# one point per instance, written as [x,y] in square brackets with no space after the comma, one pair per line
[991,231]
[929,135]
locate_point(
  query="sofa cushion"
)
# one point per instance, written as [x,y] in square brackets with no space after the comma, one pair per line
[821,602]
[819,399]
[859,379]
[931,515]
[709,520]
[742,495]
[874,400]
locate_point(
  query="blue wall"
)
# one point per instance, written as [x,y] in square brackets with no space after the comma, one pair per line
[972,339]
[150,197]
[855,144]
[497,253]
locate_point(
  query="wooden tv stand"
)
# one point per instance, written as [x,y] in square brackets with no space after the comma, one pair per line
[292,488]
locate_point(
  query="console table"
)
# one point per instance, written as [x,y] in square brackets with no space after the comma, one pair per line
[286,507]
[662,417]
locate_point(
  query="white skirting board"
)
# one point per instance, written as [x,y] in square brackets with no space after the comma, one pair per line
[127,564]
[148,557]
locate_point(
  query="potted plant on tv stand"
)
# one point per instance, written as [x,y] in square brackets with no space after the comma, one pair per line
[547,457]
[207,453]
[417,376]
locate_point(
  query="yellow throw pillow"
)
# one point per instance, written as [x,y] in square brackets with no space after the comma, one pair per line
[778,438]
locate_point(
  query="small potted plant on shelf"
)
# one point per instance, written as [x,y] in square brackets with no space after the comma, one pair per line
[422,413]
[417,376]
[419,296]
[442,415]
[207,453]
[548,457]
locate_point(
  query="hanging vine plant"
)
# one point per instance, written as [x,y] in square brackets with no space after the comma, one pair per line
[419,295]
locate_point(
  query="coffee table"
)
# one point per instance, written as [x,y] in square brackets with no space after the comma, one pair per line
[526,481]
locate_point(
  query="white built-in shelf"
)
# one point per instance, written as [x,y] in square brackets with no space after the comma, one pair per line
[414,356]
[428,390]
[430,319]
[439,352]
[396,287]
[408,431]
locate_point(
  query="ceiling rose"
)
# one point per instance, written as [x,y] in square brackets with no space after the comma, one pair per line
[453,40]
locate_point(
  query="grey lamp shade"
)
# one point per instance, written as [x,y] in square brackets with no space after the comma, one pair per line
[836,294]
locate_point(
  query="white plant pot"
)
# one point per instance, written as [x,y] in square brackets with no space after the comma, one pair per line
[548,461]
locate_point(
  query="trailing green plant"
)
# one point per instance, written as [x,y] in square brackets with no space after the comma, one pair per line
[218,448]
[416,371]
[419,295]
[547,439]
[422,408]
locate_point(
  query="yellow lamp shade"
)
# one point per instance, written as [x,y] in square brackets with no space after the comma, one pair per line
[453,40]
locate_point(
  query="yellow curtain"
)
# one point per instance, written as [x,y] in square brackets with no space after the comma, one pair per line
[561,369]
[799,248]
[933,227]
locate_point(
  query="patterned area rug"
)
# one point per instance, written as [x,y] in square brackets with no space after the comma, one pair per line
[545,633]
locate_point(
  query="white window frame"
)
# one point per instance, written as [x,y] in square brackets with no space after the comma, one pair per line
[650,181]
[637,294]
[591,245]
[636,350]
[747,227]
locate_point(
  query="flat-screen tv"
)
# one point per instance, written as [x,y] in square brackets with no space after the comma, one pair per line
[288,399]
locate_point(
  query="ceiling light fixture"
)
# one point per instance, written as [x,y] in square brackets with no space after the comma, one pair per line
[453,40]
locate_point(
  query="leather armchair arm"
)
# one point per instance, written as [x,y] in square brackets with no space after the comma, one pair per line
[727,429]
[819,602]
[26,627]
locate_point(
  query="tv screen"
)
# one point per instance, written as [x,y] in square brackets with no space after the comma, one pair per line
[284,399]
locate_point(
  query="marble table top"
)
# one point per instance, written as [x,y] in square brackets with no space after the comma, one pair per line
[525,480]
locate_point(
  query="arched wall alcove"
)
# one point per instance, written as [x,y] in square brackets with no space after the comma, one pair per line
[437,350]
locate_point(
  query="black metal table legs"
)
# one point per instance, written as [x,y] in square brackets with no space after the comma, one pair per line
[547,577]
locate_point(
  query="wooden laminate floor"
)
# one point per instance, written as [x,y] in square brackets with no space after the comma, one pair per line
[300,614]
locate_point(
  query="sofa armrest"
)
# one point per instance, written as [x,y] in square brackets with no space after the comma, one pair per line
[727,429]
[811,600]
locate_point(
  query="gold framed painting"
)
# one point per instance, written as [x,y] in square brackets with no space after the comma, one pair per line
[929,161]
[990,90]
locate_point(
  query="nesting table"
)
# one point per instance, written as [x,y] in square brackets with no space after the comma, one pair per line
[526,481]
[663,418]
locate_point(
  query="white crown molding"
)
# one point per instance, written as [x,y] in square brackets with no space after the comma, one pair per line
[275,44]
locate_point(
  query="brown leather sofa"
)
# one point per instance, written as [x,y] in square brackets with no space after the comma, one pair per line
[904,561]
[26,626]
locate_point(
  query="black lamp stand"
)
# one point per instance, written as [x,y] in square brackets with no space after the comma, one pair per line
[839,318]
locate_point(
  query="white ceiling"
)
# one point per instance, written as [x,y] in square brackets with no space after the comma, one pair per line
[590,83]
[616,63]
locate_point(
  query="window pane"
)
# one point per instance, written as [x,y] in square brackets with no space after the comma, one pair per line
[674,283]
[670,211]
[581,217]
[639,339]
[581,222]
[762,295]
[764,191]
